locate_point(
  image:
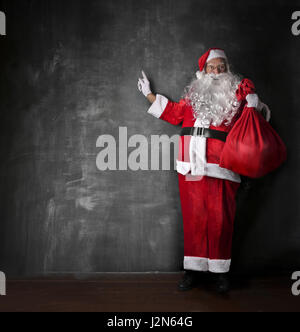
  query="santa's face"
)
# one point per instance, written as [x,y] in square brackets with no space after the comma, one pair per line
[216,66]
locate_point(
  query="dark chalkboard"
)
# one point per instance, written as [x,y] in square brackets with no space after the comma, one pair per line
[69,73]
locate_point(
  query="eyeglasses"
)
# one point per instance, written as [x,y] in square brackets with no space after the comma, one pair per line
[220,68]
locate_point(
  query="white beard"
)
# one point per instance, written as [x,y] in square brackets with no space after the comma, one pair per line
[213,98]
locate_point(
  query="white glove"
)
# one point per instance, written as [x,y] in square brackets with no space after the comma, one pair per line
[253,100]
[266,112]
[144,85]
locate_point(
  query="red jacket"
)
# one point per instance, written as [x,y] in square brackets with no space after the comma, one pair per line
[197,155]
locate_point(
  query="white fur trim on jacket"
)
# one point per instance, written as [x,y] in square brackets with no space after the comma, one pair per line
[198,155]
[211,170]
[158,106]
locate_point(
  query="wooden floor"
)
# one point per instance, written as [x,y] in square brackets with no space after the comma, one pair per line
[145,293]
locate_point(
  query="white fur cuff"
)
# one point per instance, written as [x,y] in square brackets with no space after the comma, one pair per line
[206,264]
[158,106]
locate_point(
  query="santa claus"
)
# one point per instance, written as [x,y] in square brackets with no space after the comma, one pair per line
[210,106]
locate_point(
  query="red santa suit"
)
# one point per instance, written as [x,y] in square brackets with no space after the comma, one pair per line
[207,191]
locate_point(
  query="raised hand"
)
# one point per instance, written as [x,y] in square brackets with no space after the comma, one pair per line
[144,85]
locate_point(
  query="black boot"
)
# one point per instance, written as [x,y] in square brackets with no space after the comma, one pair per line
[222,283]
[189,281]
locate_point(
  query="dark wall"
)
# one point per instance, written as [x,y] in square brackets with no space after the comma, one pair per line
[69,73]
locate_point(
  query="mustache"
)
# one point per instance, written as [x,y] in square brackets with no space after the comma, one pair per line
[213,83]
[217,77]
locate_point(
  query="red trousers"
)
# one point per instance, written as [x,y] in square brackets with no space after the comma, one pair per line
[208,210]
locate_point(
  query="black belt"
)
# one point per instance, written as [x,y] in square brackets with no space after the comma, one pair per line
[205,132]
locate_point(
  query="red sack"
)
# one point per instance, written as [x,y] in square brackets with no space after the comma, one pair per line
[253,148]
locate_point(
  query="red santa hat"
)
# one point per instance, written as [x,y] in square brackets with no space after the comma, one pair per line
[212,53]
